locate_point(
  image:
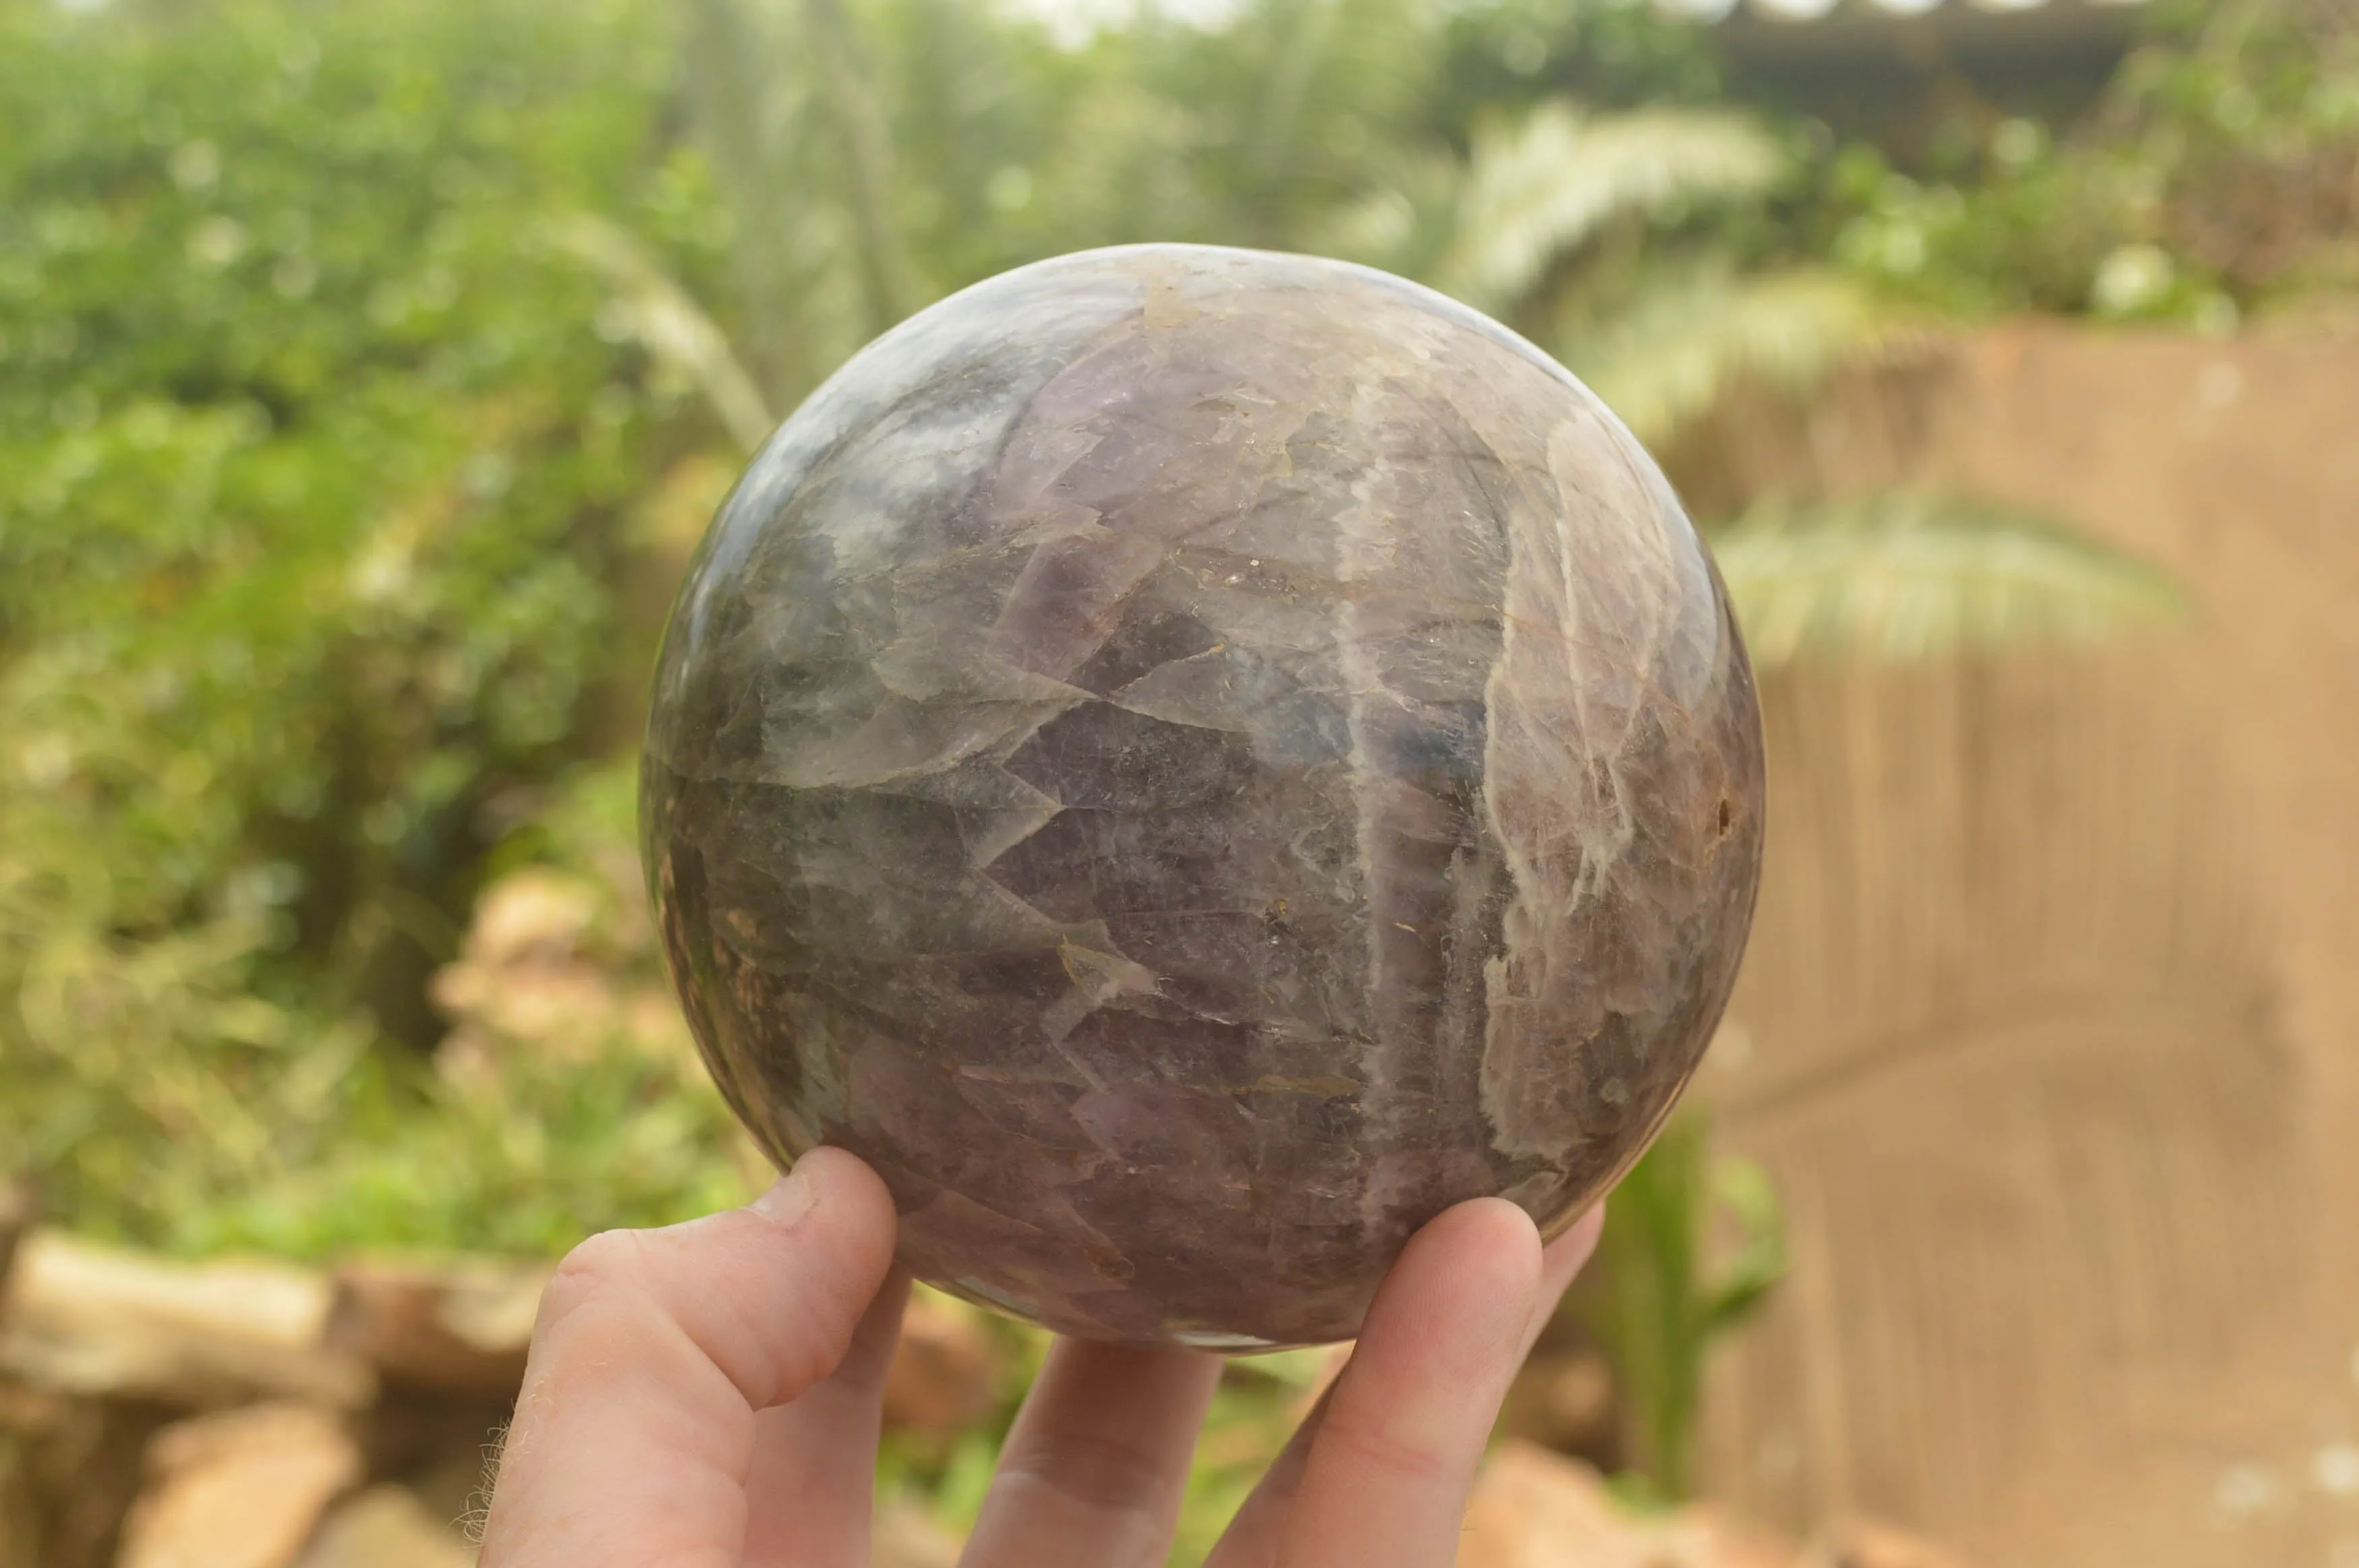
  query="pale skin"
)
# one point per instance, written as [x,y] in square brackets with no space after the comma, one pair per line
[707,1395]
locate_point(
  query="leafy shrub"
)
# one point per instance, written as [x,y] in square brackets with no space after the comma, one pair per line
[312,486]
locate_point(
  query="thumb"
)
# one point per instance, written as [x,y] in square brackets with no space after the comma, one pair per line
[653,1353]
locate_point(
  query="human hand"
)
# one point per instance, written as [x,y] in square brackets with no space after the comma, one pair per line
[708,1395]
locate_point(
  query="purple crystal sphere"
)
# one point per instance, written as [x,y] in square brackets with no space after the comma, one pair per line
[1191,761]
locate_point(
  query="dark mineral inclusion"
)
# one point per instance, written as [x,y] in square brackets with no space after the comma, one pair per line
[1190,762]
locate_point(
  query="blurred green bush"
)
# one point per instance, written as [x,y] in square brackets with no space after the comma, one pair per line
[315,484]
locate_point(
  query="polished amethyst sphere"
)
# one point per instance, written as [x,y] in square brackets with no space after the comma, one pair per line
[1190,762]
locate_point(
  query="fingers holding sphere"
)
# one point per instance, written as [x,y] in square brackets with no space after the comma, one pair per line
[654,1353]
[1378,1473]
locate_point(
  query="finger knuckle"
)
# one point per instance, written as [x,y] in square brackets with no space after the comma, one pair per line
[604,1263]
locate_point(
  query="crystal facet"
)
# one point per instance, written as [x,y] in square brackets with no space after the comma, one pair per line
[1191,761]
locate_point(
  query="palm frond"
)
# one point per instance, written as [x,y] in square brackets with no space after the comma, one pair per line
[1907,576]
[670,325]
[1538,187]
[1672,353]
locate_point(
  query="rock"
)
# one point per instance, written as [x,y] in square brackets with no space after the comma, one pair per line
[454,1483]
[33,1413]
[94,1320]
[1715,1542]
[943,1377]
[387,1527]
[1533,1508]
[1564,1399]
[522,977]
[1860,1543]
[1191,762]
[460,1326]
[74,1468]
[240,1489]
[547,970]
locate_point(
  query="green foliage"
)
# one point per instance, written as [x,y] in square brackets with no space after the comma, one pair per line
[1907,576]
[1656,1301]
[310,475]
[526,1162]
[1510,52]
[2220,176]
[929,146]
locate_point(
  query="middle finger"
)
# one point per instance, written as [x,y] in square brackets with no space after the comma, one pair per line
[813,1473]
[1094,1468]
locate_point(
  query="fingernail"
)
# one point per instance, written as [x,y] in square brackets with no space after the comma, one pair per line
[789,1198]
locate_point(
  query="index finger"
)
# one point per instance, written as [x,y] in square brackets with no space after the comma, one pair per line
[654,1352]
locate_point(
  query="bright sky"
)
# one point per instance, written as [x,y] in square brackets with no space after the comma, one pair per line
[1073,20]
